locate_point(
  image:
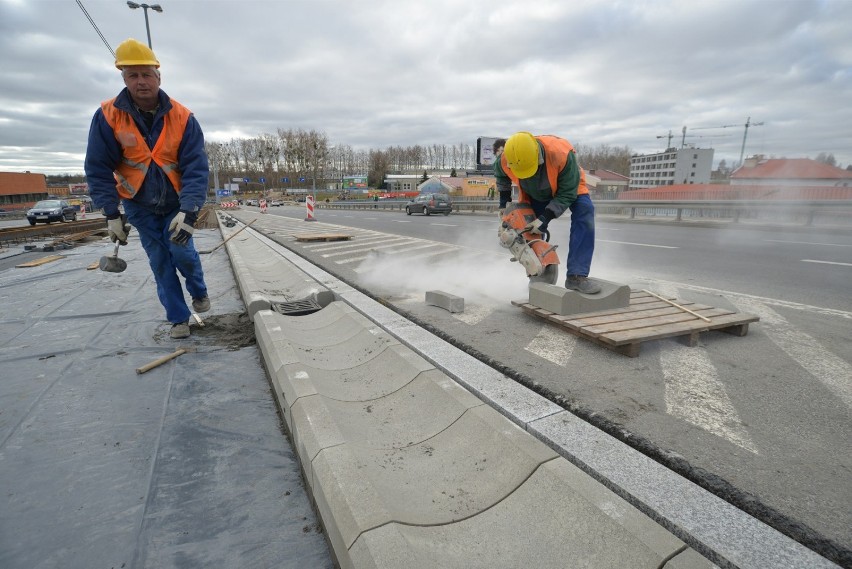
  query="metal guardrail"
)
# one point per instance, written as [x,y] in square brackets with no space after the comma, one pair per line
[802,212]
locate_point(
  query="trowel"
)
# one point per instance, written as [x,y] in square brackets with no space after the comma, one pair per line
[113,264]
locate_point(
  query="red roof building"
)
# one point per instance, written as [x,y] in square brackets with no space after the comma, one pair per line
[759,171]
[20,190]
[681,192]
[607,183]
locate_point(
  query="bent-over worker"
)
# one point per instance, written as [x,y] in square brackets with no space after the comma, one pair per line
[548,178]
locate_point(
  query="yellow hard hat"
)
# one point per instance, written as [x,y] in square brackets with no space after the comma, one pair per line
[521,152]
[132,52]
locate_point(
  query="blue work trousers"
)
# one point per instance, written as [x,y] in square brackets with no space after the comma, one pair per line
[581,241]
[167,259]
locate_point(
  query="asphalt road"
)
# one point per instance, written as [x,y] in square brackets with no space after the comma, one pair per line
[763,420]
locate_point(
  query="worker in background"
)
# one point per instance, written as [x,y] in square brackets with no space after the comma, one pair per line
[146,152]
[497,148]
[548,178]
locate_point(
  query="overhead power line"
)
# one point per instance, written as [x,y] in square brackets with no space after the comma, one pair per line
[91,21]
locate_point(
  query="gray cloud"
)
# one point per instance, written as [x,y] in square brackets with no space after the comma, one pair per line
[375,73]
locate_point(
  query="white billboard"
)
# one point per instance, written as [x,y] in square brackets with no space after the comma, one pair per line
[485,150]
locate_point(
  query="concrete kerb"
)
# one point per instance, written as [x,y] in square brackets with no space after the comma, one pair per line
[339,387]
[266,278]
[365,473]
[722,532]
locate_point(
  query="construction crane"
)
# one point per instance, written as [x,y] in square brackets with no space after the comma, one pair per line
[748,123]
[684,137]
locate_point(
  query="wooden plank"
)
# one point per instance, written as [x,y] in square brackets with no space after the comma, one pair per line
[41,261]
[628,315]
[644,302]
[657,321]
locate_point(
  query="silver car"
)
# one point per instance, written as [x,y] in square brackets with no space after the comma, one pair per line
[428,204]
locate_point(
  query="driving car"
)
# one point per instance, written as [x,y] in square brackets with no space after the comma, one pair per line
[428,204]
[47,211]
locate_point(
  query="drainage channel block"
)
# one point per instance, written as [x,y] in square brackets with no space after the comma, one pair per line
[564,302]
[445,300]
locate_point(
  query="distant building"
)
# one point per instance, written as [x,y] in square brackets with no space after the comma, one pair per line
[789,172]
[672,166]
[402,182]
[435,185]
[20,190]
[608,184]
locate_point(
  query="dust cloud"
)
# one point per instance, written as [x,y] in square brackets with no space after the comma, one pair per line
[480,277]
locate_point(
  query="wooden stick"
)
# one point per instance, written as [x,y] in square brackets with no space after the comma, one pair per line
[161,361]
[229,237]
[677,305]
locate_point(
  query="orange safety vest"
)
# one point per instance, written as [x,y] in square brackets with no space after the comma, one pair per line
[556,152]
[136,156]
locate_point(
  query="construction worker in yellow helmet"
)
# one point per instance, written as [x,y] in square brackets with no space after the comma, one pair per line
[146,154]
[548,178]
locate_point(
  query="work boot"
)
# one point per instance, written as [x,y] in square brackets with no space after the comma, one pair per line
[581,284]
[201,304]
[180,330]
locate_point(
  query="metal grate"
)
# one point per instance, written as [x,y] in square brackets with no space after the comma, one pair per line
[297,307]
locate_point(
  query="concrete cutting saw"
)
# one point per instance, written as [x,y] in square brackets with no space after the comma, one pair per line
[533,252]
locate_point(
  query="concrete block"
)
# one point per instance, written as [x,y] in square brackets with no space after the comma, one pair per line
[462,471]
[558,517]
[445,300]
[559,300]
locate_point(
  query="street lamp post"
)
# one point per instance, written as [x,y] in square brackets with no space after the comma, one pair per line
[154,7]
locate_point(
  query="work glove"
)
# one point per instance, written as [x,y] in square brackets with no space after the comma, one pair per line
[182,226]
[118,228]
[538,225]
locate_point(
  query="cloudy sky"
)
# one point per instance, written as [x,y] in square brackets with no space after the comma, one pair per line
[376,73]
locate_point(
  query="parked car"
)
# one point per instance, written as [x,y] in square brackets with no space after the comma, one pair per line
[428,204]
[51,210]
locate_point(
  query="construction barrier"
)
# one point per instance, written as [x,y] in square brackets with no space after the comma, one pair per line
[262,206]
[82,211]
[309,205]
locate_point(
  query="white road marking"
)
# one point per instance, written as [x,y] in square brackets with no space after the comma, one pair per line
[807,243]
[637,244]
[445,224]
[553,345]
[824,366]
[694,392]
[826,262]
[763,299]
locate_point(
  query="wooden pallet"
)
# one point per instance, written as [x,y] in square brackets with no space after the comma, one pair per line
[646,318]
[323,237]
